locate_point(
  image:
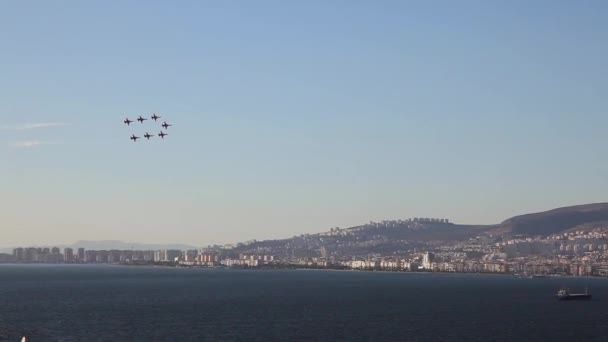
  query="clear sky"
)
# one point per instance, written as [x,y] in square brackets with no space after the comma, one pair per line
[295,116]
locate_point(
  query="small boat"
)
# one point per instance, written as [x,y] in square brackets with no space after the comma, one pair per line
[565,294]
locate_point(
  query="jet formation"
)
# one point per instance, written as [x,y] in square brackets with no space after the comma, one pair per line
[141,120]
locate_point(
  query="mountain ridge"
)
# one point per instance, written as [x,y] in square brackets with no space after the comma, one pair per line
[556,220]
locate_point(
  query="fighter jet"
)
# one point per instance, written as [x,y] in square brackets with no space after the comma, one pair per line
[141,119]
[127,122]
[166,125]
[156,117]
[148,136]
[162,135]
[134,138]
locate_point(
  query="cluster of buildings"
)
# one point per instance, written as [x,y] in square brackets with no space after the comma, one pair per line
[47,255]
[577,253]
[69,256]
[172,256]
[425,262]
[590,263]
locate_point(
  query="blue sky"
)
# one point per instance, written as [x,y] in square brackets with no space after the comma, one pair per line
[294,117]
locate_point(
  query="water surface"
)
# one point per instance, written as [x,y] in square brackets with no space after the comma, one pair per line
[119,303]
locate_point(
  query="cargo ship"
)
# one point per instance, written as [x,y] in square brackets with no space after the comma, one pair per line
[565,294]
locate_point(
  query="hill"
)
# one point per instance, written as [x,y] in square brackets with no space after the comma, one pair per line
[386,237]
[556,220]
[403,236]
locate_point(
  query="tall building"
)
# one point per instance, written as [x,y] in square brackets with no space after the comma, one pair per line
[113,256]
[31,254]
[68,255]
[149,255]
[160,255]
[81,255]
[102,257]
[190,255]
[19,254]
[172,254]
[167,255]
[427,260]
[90,256]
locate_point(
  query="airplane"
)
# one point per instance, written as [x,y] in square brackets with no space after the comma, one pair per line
[140,119]
[156,117]
[127,121]
[134,138]
[148,136]
[166,125]
[162,135]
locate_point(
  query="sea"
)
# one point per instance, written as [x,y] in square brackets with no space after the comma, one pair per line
[135,303]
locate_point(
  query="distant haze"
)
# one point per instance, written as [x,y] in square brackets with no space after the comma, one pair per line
[293,117]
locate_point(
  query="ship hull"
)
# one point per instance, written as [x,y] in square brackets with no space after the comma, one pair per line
[576,297]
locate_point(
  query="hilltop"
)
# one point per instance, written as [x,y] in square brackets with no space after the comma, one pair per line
[556,220]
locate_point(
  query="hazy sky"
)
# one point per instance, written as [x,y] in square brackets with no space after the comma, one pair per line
[295,116]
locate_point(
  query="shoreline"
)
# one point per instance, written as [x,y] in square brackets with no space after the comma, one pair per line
[293,268]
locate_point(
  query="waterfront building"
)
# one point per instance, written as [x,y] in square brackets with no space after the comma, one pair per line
[427,260]
[68,255]
[19,254]
[81,256]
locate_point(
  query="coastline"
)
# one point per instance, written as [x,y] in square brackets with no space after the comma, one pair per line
[298,268]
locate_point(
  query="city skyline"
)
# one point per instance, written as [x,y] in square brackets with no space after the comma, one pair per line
[538,224]
[574,253]
[294,118]
[570,241]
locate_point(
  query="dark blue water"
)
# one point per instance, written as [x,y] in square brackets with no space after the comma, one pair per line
[114,303]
